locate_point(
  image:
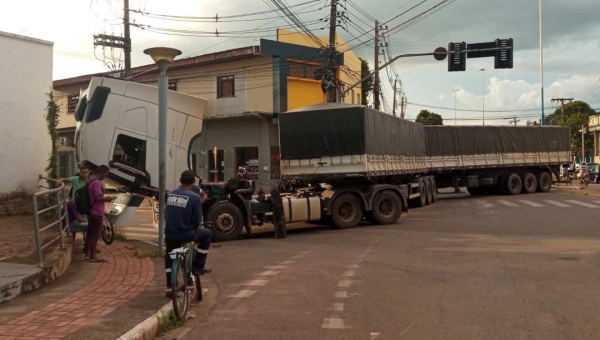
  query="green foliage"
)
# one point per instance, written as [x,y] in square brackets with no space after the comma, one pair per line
[429,118]
[167,323]
[52,115]
[576,115]
[367,85]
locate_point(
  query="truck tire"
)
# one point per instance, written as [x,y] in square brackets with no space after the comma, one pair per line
[226,221]
[544,182]
[433,190]
[387,208]
[422,200]
[429,190]
[513,184]
[529,183]
[346,211]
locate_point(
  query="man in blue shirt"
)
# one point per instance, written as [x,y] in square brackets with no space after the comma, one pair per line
[183,217]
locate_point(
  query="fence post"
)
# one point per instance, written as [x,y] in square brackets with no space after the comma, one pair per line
[58,216]
[36,221]
[68,223]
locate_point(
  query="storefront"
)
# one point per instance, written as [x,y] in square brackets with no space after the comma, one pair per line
[594,127]
[247,142]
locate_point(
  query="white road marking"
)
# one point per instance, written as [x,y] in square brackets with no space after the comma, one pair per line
[345,283]
[354,266]
[485,204]
[288,262]
[256,283]
[558,204]
[269,273]
[333,323]
[338,307]
[587,205]
[374,335]
[533,204]
[244,294]
[507,203]
[276,267]
[298,257]
[341,295]
[350,273]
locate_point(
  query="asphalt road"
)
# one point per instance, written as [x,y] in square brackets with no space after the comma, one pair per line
[497,267]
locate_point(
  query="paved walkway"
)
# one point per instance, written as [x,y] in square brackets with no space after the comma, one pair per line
[117,282]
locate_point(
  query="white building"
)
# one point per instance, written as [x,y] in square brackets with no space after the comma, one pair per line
[26,69]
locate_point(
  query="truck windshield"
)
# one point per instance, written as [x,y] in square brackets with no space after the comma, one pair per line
[95,108]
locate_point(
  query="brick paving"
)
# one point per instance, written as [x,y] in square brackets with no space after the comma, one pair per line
[118,281]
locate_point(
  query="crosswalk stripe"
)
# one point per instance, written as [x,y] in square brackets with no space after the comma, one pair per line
[507,203]
[533,204]
[485,204]
[558,204]
[587,205]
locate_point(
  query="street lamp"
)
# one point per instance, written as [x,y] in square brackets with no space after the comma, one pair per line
[163,57]
[483,94]
[455,90]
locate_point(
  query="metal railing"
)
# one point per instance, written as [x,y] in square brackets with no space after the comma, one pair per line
[61,222]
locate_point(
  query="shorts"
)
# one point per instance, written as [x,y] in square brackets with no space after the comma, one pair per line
[94,229]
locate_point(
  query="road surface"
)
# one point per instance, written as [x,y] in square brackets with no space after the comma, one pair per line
[493,267]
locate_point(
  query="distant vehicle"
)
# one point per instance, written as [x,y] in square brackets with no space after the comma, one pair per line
[594,169]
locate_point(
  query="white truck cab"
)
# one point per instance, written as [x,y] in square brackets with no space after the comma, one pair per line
[118,127]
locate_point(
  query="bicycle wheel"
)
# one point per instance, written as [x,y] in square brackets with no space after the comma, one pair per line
[179,294]
[108,232]
[198,287]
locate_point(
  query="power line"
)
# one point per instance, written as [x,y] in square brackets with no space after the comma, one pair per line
[469,110]
[153,16]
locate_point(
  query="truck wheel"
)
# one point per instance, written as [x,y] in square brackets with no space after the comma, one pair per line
[513,184]
[422,200]
[429,192]
[544,182]
[529,183]
[346,211]
[433,190]
[387,208]
[227,221]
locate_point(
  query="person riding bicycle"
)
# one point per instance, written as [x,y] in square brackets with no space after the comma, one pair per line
[183,220]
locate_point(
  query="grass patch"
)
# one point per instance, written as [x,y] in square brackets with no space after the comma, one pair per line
[167,323]
[148,254]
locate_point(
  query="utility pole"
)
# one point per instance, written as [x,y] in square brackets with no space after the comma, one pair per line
[127,47]
[543,119]
[123,43]
[483,95]
[402,106]
[376,80]
[394,107]
[582,144]
[331,74]
[562,104]
[455,121]
[514,121]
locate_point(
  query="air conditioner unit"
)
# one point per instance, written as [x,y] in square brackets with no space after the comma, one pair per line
[63,141]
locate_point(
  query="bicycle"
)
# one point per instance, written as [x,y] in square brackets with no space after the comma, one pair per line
[584,180]
[183,280]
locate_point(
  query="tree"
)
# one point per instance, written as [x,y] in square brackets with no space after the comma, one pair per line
[533,122]
[576,114]
[367,85]
[52,113]
[429,118]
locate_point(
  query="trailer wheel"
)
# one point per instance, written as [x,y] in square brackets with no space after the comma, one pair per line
[387,208]
[433,190]
[513,184]
[422,194]
[227,221]
[529,183]
[544,182]
[346,211]
[429,192]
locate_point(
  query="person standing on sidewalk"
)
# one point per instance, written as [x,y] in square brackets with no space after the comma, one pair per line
[183,220]
[96,216]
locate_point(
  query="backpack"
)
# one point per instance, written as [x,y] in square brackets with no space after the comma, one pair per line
[82,199]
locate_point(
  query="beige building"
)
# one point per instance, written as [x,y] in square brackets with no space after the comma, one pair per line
[243,86]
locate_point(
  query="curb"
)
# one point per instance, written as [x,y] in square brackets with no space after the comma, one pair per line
[580,192]
[42,277]
[147,329]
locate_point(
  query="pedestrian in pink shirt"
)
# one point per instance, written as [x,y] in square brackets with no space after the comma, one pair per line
[96,216]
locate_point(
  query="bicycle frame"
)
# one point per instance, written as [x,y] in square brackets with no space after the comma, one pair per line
[188,257]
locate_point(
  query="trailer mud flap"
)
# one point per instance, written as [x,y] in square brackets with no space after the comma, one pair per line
[278,218]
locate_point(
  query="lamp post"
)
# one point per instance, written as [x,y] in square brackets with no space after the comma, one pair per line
[163,57]
[455,90]
[483,95]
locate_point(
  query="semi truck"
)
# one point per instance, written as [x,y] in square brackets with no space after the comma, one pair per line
[340,163]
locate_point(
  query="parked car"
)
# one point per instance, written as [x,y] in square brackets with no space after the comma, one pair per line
[594,170]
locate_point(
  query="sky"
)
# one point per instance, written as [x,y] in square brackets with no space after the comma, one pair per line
[570,44]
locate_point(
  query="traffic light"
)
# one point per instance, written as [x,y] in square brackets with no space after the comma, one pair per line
[458,60]
[504,56]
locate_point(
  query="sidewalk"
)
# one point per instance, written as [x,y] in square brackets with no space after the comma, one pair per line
[92,300]
[592,190]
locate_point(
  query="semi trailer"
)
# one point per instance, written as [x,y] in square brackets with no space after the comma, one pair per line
[341,163]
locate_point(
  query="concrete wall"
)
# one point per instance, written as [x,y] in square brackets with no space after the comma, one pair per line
[229,133]
[26,68]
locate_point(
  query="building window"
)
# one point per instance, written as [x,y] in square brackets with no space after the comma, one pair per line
[275,162]
[225,87]
[247,158]
[173,86]
[300,70]
[72,101]
[130,151]
[66,164]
